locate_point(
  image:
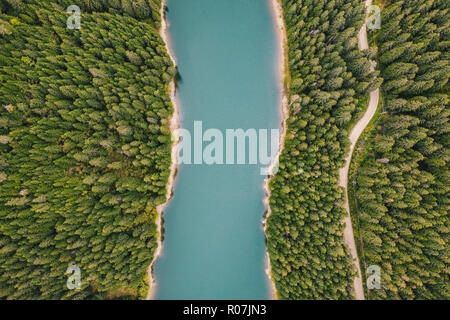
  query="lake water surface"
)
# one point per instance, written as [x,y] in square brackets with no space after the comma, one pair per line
[227,57]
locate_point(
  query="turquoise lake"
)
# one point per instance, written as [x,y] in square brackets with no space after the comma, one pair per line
[227,56]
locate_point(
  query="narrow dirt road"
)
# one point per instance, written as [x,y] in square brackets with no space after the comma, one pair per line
[343,173]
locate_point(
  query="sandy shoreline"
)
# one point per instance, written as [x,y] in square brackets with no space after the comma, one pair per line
[174,125]
[277,12]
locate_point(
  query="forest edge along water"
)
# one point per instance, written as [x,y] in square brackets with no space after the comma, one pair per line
[277,13]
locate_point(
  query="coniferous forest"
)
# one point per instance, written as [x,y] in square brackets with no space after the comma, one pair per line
[402,183]
[85,149]
[329,81]
[84,146]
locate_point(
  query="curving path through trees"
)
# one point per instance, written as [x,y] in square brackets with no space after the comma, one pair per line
[349,238]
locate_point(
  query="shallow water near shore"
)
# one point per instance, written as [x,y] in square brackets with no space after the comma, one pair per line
[227,57]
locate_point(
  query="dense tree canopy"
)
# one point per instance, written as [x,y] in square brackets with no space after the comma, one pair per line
[140,9]
[84,146]
[403,182]
[329,78]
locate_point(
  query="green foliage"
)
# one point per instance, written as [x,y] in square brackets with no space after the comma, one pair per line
[82,167]
[402,184]
[329,77]
[148,10]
